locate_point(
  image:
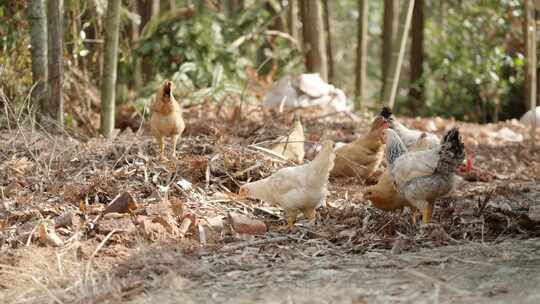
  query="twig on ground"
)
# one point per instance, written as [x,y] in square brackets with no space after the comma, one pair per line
[96,251]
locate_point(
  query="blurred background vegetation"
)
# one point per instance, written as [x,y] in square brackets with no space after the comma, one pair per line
[471,64]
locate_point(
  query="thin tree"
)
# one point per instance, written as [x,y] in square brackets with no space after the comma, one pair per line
[313,36]
[234,5]
[148,9]
[54,108]
[329,44]
[389,95]
[135,34]
[112,25]
[278,23]
[292,19]
[361,52]
[38,40]
[416,89]
[390,28]
[530,38]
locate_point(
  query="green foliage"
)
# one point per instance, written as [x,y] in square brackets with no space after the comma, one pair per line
[210,50]
[15,64]
[474,60]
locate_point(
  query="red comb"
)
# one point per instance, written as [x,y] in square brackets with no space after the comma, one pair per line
[469,164]
[467,167]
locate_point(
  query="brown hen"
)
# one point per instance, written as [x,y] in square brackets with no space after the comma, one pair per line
[166,120]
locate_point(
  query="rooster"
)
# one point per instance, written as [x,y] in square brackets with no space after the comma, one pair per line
[166,120]
[299,189]
[422,177]
[384,196]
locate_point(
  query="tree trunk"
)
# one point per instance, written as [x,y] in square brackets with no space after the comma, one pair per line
[361,52]
[292,19]
[234,5]
[278,23]
[528,23]
[54,109]
[147,10]
[112,25]
[329,44]
[530,39]
[390,27]
[38,40]
[416,89]
[137,69]
[396,61]
[313,35]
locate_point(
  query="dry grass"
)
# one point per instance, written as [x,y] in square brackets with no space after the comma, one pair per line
[44,176]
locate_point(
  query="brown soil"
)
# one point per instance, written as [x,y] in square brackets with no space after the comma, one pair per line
[484,246]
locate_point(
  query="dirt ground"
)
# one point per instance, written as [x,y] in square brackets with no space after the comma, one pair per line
[484,244]
[472,273]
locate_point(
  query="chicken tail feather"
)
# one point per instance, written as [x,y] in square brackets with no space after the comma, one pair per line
[386,112]
[452,152]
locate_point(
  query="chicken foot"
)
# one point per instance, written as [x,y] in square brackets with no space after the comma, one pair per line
[291,220]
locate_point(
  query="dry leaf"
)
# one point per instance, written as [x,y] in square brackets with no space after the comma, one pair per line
[177,207]
[188,220]
[123,203]
[245,225]
[151,230]
[168,223]
[64,220]
[48,236]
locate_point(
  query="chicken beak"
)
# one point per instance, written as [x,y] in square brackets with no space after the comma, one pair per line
[167,87]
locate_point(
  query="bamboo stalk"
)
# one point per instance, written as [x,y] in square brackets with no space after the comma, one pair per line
[361,53]
[531,37]
[397,56]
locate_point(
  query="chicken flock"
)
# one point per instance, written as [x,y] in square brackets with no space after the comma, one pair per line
[419,167]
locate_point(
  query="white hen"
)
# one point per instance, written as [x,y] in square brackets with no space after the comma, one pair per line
[408,136]
[299,189]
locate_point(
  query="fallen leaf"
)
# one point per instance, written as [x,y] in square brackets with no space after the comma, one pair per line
[123,203]
[48,236]
[245,225]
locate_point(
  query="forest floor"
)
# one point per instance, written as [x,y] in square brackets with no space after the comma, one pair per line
[166,237]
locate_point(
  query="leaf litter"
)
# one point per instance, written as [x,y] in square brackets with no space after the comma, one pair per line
[105,200]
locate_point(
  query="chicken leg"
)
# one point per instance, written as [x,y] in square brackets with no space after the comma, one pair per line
[174,140]
[414,214]
[427,213]
[161,147]
[311,215]
[291,220]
